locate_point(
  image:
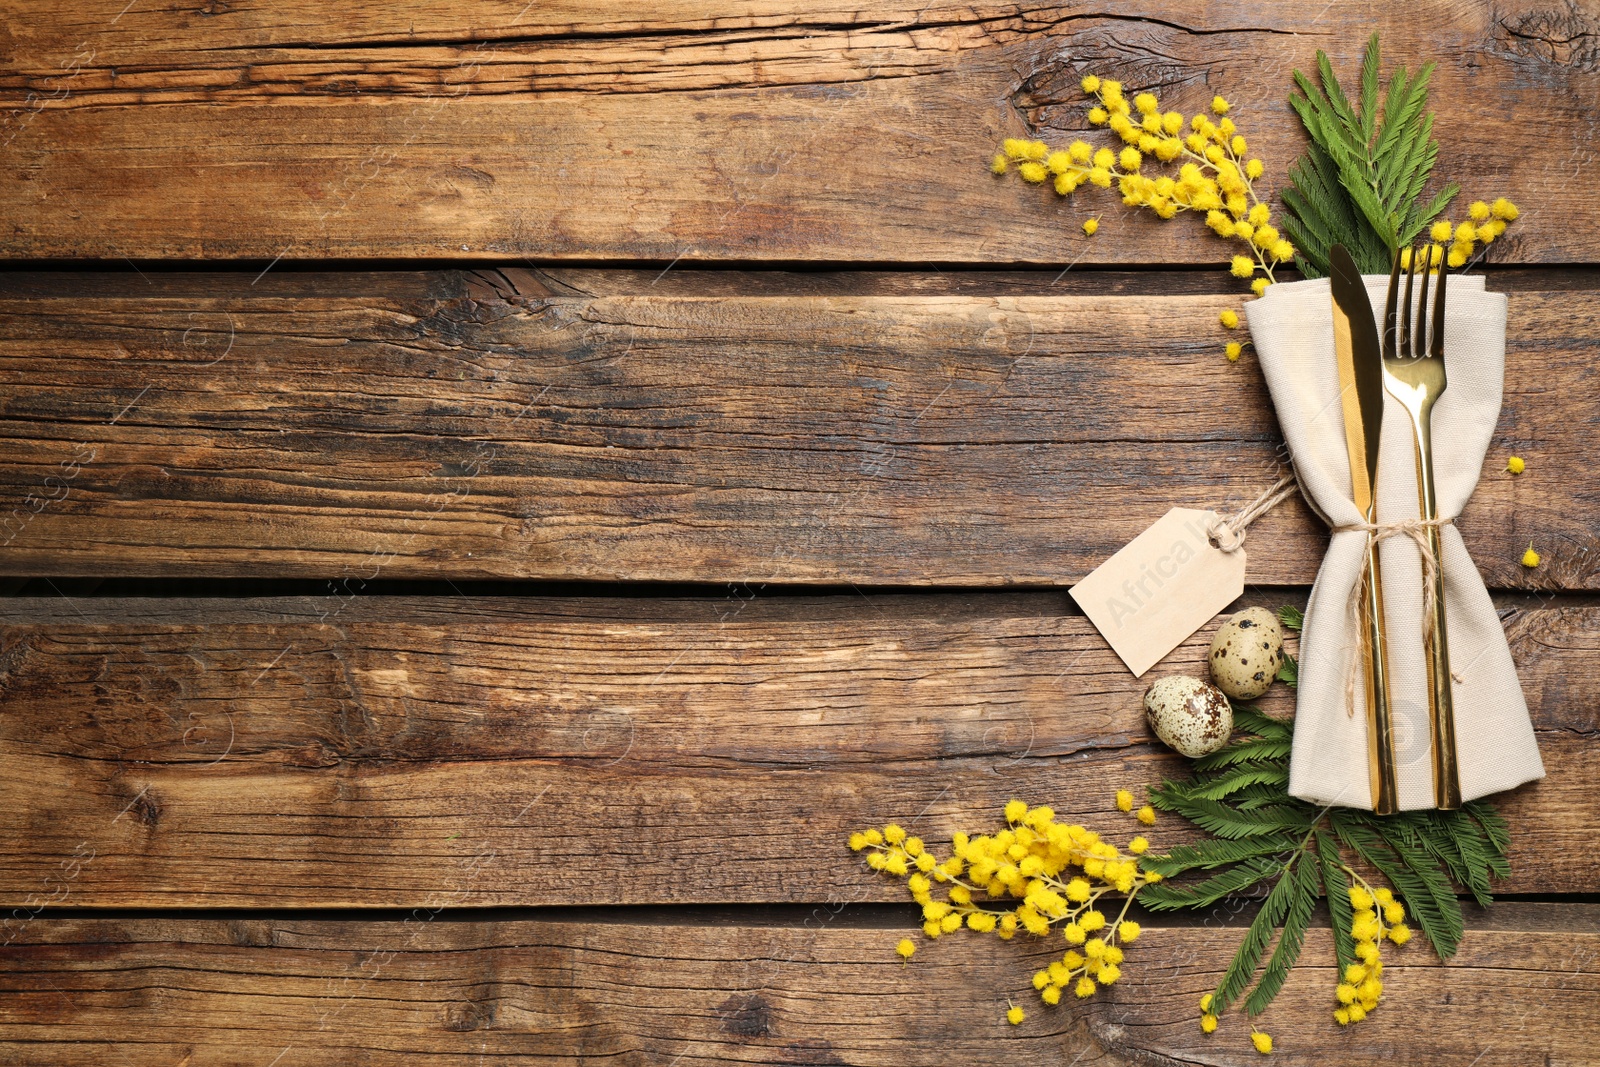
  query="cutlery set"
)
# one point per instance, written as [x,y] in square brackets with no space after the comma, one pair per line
[1407,362]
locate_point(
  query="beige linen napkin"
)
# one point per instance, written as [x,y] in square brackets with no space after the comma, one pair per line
[1292,327]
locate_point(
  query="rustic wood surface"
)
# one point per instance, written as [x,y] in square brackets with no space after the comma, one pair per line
[378,752]
[508,131]
[825,989]
[435,319]
[487,425]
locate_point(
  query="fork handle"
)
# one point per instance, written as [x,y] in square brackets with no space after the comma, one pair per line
[1441,703]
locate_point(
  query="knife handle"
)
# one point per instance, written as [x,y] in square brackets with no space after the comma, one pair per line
[1380,722]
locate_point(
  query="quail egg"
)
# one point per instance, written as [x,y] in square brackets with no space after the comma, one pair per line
[1246,653]
[1188,715]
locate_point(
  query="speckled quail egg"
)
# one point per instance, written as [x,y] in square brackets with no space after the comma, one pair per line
[1188,715]
[1246,653]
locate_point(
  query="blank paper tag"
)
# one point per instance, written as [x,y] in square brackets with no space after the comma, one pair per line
[1161,587]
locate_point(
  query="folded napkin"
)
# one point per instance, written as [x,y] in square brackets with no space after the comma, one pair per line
[1292,327]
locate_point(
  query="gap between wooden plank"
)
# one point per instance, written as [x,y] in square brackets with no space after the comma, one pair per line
[398,278]
[1510,910]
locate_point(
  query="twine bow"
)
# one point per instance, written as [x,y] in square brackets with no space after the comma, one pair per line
[1376,532]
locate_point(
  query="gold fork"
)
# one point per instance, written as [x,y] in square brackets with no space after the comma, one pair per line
[1414,374]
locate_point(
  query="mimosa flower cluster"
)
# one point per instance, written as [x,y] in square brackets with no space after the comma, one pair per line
[1215,178]
[1378,917]
[1215,175]
[1456,244]
[1036,875]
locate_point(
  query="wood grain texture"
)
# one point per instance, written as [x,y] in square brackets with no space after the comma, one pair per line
[495,751]
[1523,989]
[460,426]
[678,133]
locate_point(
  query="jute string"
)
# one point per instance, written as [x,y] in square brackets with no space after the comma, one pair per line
[1228,534]
[1416,529]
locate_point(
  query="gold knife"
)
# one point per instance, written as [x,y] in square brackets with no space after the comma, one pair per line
[1358,353]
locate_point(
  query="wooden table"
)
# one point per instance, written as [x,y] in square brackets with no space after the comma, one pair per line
[495,493]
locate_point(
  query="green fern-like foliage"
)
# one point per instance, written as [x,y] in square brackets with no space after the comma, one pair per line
[1262,840]
[1361,180]
[1293,619]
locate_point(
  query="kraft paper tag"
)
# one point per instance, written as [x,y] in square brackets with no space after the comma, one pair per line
[1161,587]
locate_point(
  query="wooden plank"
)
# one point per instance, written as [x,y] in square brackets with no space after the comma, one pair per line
[1524,988]
[477,426]
[776,132]
[499,751]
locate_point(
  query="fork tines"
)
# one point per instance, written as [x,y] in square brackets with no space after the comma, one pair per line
[1402,340]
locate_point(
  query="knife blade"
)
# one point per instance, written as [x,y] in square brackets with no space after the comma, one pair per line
[1357,350]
